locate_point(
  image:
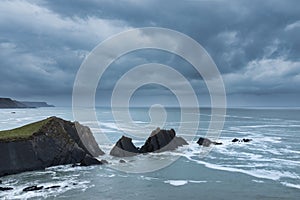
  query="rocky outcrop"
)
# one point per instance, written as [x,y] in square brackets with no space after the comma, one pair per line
[124,148]
[159,141]
[162,140]
[207,142]
[57,142]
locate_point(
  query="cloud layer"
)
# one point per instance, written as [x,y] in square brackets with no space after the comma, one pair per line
[255,45]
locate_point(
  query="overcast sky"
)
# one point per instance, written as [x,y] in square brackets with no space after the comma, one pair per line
[255,45]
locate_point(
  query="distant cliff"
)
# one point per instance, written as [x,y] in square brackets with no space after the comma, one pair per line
[36,104]
[10,103]
[46,143]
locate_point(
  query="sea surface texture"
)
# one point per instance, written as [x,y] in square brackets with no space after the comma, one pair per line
[268,167]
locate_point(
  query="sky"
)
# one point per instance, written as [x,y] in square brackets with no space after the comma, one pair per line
[255,45]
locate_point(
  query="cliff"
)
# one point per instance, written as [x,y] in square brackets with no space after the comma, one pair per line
[10,103]
[36,104]
[46,143]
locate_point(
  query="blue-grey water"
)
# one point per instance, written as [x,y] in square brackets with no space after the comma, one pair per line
[266,168]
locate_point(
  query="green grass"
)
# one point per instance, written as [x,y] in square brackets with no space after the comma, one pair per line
[22,132]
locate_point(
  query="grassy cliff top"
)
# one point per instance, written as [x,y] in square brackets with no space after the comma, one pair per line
[22,132]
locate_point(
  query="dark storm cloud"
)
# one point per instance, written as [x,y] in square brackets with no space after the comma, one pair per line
[255,44]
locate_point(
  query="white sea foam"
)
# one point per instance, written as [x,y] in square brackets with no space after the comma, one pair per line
[176,182]
[182,182]
[290,185]
[258,181]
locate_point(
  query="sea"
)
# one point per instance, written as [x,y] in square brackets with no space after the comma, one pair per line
[268,167]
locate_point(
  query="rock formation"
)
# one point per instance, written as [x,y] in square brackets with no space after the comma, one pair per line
[124,148]
[53,141]
[162,140]
[207,142]
[159,140]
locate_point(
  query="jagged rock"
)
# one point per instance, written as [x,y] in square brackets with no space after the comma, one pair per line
[6,188]
[162,140]
[122,161]
[89,160]
[159,141]
[124,148]
[56,142]
[207,142]
[32,188]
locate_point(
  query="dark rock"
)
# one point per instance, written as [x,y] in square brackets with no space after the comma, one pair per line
[204,142]
[74,183]
[13,112]
[122,161]
[159,141]
[52,187]
[32,188]
[89,160]
[57,142]
[243,140]
[218,143]
[104,161]
[235,140]
[246,140]
[124,148]
[75,165]
[162,140]
[0,182]
[207,142]
[6,188]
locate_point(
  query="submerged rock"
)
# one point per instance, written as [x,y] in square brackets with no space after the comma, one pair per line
[53,142]
[124,148]
[89,160]
[52,187]
[242,140]
[235,140]
[207,142]
[32,188]
[6,188]
[246,140]
[104,161]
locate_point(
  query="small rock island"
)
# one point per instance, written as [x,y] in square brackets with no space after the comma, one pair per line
[160,140]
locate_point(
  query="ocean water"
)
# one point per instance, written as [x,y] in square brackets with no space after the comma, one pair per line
[266,168]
